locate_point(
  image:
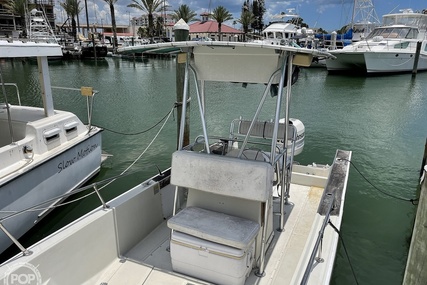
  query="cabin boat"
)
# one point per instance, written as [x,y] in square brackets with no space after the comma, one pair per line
[399,45]
[44,152]
[281,31]
[233,208]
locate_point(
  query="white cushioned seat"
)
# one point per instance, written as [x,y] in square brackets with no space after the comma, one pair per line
[214,226]
[229,176]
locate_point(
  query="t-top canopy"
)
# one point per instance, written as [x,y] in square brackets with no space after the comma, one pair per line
[28,49]
[234,61]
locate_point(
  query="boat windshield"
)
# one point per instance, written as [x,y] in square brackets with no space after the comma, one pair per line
[409,20]
[394,33]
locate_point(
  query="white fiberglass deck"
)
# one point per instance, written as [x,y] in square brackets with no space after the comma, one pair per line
[128,242]
[149,261]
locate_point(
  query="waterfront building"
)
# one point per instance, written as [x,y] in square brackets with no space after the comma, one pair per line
[10,22]
[208,29]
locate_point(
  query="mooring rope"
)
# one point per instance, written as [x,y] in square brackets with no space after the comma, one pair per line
[136,133]
[412,200]
[345,250]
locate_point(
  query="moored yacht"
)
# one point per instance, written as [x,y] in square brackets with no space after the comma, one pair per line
[44,152]
[233,208]
[389,48]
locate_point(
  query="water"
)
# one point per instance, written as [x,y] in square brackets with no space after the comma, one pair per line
[381,119]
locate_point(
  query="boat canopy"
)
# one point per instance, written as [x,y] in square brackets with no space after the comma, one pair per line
[10,49]
[235,61]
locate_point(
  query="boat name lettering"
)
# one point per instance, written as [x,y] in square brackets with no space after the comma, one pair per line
[80,154]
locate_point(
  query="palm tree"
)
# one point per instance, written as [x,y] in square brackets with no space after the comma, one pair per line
[149,7]
[72,8]
[159,26]
[221,14]
[113,21]
[246,19]
[184,12]
[18,7]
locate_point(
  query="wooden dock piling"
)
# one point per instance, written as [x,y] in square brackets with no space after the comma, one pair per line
[416,59]
[415,273]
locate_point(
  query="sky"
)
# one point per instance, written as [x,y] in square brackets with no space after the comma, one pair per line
[327,14]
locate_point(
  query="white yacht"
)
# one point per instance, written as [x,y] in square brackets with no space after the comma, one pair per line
[281,31]
[233,208]
[44,152]
[390,48]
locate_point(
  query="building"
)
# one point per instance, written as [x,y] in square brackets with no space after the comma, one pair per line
[10,23]
[142,22]
[204,29]
[208,29]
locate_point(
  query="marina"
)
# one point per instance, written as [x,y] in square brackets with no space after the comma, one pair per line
[223,212]
[397,46]
[384,133]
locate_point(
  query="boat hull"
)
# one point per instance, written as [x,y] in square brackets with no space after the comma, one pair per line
[346,61]
[88,52]
[375,62]
[382,62]
[49,179]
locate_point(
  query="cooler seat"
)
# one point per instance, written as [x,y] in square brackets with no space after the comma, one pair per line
[227,206]
[216,227]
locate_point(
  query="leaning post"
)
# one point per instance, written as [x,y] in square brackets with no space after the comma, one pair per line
[182,31]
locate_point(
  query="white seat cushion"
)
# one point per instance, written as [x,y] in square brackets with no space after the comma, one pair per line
[214,226]
[229,176]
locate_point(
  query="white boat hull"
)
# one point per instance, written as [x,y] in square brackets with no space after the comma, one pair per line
[44,152]
[377,62]
[56,176]
[346,61]
[398,46]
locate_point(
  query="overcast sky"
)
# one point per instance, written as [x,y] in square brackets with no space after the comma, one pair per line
[327,14]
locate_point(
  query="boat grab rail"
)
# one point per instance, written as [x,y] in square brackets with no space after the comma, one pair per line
[87,92]
[7,106]
[317,248]
[17,91]
[200,140]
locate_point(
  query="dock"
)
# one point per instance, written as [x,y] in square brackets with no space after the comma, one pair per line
[415,273]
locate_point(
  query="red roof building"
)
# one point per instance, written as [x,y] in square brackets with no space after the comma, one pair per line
[208,29]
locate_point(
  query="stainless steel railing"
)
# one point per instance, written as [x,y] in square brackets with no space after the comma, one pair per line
[317,252]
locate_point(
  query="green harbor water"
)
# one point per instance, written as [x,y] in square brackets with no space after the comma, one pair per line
[383,120]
